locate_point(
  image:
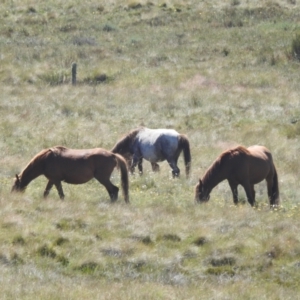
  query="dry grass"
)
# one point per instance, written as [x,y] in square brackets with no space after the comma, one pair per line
[221,72]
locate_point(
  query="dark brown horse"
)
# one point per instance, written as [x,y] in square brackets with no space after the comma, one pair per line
[244,166]
[74,166]
[154,145]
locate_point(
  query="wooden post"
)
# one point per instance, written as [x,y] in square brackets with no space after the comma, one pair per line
[74,72]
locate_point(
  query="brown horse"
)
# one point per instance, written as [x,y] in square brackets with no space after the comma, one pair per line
[244,166]
[154,145]
[74,166]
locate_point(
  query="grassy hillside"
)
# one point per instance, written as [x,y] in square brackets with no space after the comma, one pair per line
[223,73]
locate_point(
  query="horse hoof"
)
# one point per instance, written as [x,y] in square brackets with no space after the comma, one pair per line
[113,198]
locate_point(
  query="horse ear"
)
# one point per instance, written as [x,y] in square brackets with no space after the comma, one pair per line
[200,185]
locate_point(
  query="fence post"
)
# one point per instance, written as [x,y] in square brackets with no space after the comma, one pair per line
[74,72]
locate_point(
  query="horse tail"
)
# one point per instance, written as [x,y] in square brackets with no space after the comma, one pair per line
[121,163]
[184,145]
[275,189]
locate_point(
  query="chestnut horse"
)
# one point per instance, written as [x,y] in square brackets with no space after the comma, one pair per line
[74,166]
[154,145]
[244,166]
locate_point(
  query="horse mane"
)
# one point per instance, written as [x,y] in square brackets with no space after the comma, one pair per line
[36,159]
[58,149]
[233,152]
[125,141]
[224,156]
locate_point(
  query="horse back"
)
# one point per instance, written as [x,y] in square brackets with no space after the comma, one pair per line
[153,136]
[260,163]
[155,144]
[78,165]
[96,156]
[258,150]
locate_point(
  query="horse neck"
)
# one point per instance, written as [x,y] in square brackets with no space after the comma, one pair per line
[124,145]
[32,171]
[121,147]
[213,176]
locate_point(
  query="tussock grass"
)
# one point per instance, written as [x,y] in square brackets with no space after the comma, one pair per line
[224,73]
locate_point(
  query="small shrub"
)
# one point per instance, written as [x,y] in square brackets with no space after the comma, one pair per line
[60,241]
[273,60]
[270,10]
[100,8]
[68,28]
[16,259]
[13,259]
[108,28]
[113,252]
[233,23]
[296,47]
[235,2]
[138,265]
[96,79]
[88,267]
[55,78]
[63,224]
[275,252]
[134,5]
[222,270]
[3,259]
[232,18]
[223,261]
[200,241]
[225,52]
[69,224]
[195,102]
[63,260]
[171,237]
[46,251]
[143,239]
[160,21]
[291,131]
[80,41]
[146,240]
[18,240]
[31,10]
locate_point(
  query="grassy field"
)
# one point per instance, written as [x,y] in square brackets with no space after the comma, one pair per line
[223,73]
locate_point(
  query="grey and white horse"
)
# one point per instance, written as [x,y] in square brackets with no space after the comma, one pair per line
[154,145]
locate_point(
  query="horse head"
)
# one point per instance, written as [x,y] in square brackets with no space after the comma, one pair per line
[124,146]
[201,193]
[17,186]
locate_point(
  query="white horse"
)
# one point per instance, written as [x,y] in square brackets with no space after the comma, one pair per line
[154,145]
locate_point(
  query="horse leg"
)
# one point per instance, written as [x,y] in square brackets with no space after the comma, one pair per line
[113,192]
[270,193]
[135,160]
[60,190]
[140,166]
[155,167]
[175,169]
[249,189]
[111,189]
[172,160]
[48,188]
[253,192]
[233,185]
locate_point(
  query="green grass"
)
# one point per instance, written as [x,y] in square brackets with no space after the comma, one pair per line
[223,73]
